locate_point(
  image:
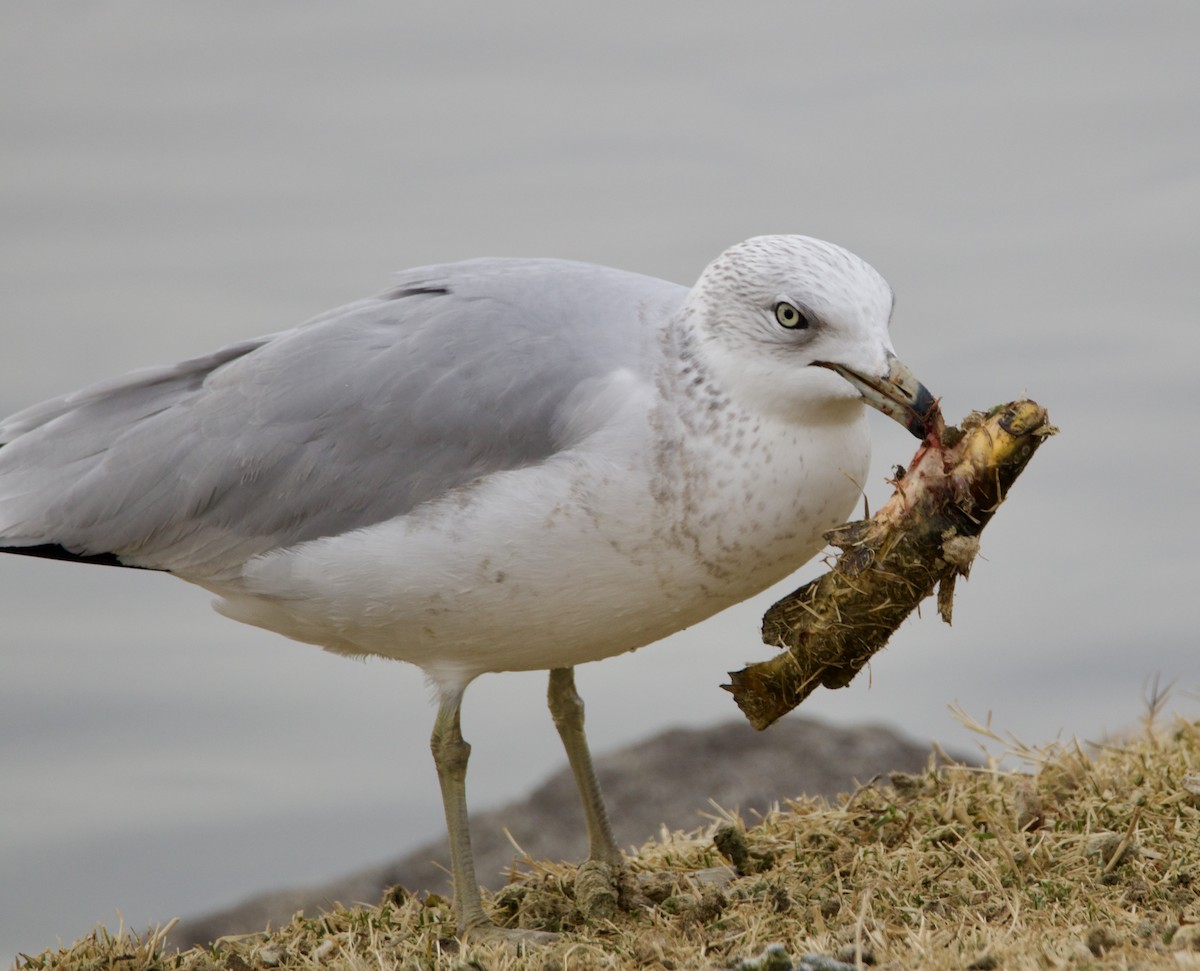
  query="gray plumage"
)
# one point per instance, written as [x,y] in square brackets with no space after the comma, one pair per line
[351,419]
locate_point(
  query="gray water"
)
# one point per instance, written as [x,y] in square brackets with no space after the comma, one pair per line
[174,177]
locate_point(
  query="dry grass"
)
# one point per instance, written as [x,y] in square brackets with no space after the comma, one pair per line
[1087,858]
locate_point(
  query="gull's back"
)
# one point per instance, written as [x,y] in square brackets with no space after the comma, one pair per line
[456,372]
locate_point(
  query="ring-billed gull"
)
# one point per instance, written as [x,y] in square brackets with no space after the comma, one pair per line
[494,465]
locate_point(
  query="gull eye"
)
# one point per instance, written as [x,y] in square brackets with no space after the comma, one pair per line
[791,316]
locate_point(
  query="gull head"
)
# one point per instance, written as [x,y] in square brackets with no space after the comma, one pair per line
[799,327]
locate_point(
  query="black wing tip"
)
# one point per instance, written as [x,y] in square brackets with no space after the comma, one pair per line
[53,551]
[419,290]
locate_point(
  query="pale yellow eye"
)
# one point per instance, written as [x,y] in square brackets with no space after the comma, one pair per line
[790,316]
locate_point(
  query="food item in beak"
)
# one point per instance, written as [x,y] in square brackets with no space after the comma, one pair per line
[925,536]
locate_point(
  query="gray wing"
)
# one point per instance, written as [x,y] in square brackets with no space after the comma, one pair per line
[356,417]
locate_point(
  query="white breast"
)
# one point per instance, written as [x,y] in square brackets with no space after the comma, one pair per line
[602,549]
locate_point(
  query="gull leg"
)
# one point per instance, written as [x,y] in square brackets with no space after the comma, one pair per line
[450,754]
[566,707]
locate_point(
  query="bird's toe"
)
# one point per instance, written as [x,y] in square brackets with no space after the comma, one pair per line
[516,938]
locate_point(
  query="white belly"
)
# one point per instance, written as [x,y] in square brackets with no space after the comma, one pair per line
[577,559]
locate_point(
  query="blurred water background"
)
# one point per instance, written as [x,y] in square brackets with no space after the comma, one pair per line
[175,177]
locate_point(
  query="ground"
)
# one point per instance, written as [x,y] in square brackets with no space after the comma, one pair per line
[1079,857]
